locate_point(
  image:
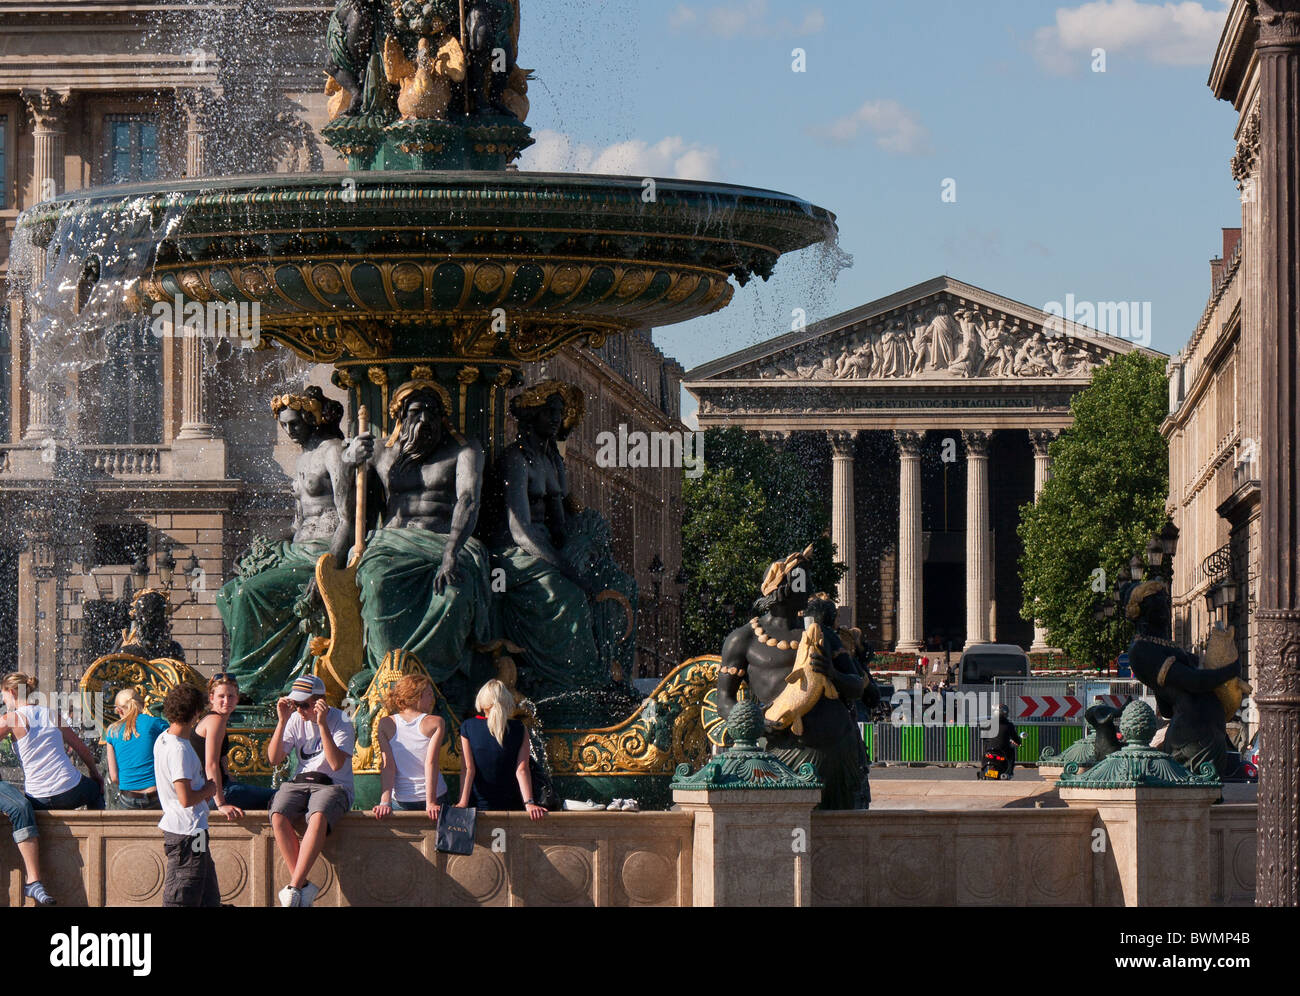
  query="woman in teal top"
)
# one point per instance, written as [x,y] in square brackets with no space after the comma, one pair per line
[130,751]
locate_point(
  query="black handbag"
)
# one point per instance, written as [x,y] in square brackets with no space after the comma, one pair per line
[456,828]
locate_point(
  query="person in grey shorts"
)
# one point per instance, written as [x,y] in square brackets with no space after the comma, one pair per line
[321,789]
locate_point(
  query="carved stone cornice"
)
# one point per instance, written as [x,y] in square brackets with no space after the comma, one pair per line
[1279,23]
[1246,159]
[1041,439]
[49,109]
[843,443]
[909,443]
[976,442]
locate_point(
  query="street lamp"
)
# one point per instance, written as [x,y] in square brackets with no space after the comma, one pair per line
[166,566]
[1169,538]
[1135,568]
[1155,551]
[140,571]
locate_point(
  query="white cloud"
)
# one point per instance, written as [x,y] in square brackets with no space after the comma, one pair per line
[555,152]
[749,18]
[896,129]
[1171,34]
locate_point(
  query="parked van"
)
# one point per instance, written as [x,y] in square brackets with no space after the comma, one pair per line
[983,662]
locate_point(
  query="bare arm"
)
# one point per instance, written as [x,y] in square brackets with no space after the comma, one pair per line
[343,481]
[189,796]
[734,658]
[275,752]
[522,774]
[431,767]
[112,761]
[333,753]
[466,773]
[469,489]
[387,767]
[213,730]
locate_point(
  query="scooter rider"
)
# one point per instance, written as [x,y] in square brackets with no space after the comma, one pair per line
[1005,741]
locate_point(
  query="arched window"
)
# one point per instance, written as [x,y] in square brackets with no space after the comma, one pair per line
[128,404]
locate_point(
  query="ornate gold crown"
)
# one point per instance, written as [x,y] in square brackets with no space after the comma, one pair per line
[575,405]
[296,402]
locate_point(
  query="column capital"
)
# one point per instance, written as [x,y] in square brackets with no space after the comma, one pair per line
[909,443]
[976,442]
[773,437]
[843,442]
[198,103]
[1040,439]
[48,108]
[1279,22]
[1245,161]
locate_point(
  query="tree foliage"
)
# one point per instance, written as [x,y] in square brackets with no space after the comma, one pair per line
[752,505]
[1106,495]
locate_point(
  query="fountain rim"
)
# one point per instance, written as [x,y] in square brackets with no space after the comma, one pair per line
[202,189]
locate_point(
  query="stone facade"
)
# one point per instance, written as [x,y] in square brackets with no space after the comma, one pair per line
[169,443]
[936,406]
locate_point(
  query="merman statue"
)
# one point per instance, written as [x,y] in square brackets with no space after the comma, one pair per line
[763,654]
[1197,700]
[262,606]
[543,606]
[350,39]
[423,576]
[150,634]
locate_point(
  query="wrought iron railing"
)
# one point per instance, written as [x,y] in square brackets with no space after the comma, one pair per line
[1218,565]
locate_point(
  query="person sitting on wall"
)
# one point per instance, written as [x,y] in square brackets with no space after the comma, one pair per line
[128,749]
[494,748]
[410,740]
[268,647]
[322,786]
[213,746]
[51,781]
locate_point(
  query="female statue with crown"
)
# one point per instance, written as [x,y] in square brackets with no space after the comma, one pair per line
[261,605]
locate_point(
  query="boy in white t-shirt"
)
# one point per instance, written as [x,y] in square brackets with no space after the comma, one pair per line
[321,789]
[183,792]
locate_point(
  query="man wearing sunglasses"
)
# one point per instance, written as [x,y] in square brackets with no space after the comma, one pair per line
[322,787]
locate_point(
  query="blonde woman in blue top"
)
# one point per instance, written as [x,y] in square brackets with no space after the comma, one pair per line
[129,751]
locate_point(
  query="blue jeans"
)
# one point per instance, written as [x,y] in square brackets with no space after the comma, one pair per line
[248,797]
[15,806]
[86,792]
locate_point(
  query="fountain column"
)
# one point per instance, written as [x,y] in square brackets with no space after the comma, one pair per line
[1278,685]
[910,567]
[842,525]
[48,109]
[194,424]
[1040,439]
[977,535]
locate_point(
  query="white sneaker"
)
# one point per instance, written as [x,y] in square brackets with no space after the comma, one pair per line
[289,896]
[616,804]
[574,805]
[630,806]
[309,893]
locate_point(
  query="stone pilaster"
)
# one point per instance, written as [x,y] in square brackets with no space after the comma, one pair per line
[194,425]
[978,569]
[1278,688]
[910,566]
[1040,439]
[842,525]
[49,111]
[197,105]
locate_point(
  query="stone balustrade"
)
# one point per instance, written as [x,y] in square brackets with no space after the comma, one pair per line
[990,857]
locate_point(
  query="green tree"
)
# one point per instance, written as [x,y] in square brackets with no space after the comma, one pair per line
[1106,495]
[752,505]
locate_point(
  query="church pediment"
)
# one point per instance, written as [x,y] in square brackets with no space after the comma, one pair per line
[945,331]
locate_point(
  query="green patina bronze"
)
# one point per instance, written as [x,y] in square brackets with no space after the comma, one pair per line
[745,765]
[1137,764]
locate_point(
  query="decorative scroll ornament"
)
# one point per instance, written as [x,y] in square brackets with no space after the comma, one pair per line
[744,765]
[1137,764]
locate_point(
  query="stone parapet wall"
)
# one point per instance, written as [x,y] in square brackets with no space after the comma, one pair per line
[991,857]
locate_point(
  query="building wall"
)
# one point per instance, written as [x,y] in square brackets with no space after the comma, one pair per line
[208,497]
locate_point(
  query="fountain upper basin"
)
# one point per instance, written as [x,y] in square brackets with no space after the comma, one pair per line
[504,264]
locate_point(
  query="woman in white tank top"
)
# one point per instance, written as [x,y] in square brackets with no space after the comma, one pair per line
[410,740]
[50,779]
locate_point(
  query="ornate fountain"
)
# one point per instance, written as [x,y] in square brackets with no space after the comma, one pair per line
[433,262]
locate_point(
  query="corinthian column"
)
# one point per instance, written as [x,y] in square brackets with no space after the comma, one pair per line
[1278,688]
[977,536]
[910,571]
[1040,439]
[197,105]
[194,425]
[842,508]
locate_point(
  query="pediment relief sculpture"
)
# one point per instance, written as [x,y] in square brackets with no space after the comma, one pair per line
[940,341]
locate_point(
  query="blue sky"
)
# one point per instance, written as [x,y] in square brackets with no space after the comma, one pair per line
[1111,186]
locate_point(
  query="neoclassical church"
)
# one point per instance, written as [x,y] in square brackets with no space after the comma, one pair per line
[937,405]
